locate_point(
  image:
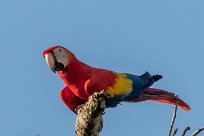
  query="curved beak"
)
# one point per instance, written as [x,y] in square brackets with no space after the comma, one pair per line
[50,59]
[52,62]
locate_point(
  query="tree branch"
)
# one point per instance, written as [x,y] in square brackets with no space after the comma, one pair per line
[185,130]
[175,131]
[174,116]
[89,120]
[198,131]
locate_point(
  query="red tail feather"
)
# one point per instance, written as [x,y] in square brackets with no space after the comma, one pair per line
[161,96]
[181,103]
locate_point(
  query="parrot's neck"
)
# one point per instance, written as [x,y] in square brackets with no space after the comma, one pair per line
[75,73]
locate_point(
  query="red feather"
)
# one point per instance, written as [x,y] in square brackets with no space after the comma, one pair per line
[70,99]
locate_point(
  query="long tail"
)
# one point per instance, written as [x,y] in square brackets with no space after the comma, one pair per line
[161,96]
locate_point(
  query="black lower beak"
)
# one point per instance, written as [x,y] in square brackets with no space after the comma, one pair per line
[58,66]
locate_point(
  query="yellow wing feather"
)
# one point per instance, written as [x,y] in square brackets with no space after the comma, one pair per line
[123,85]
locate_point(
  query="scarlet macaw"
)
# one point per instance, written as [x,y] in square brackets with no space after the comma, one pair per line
[83,80]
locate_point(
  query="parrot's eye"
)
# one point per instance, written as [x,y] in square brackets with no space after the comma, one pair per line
[60,50]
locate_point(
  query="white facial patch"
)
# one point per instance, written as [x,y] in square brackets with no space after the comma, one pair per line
[61,56]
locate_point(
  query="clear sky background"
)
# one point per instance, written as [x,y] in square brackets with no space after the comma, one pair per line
[159,36]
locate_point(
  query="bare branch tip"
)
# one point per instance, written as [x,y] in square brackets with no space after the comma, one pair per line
[198,131]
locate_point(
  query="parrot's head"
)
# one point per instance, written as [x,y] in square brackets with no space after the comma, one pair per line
[57,57]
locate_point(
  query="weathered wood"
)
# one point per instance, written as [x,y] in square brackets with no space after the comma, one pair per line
[89,120]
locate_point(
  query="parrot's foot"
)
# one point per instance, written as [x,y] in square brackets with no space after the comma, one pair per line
[156,77]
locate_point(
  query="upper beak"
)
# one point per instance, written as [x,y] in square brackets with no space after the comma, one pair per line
[50,59]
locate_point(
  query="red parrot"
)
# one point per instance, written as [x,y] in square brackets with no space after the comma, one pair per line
[82,80]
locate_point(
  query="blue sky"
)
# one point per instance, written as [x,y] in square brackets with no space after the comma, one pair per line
[162,37]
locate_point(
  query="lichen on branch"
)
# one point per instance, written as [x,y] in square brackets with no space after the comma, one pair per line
[89,120]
